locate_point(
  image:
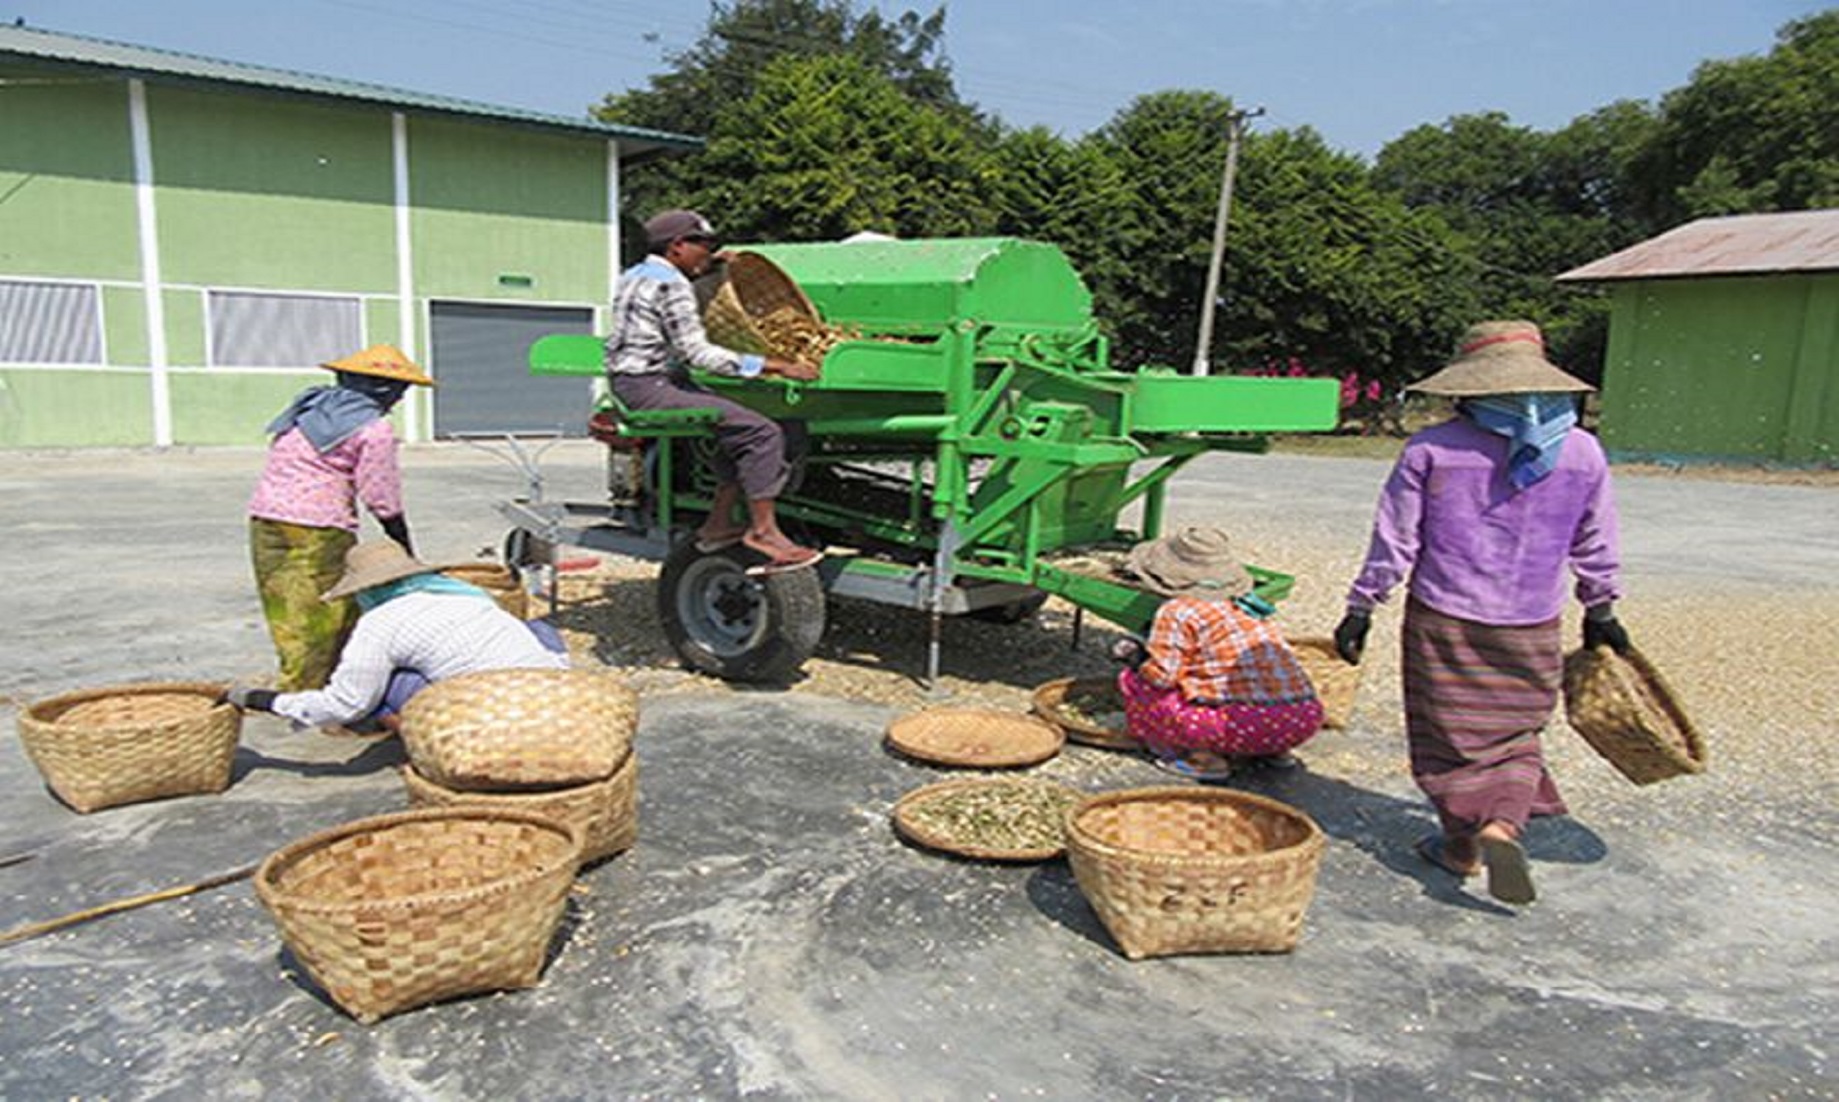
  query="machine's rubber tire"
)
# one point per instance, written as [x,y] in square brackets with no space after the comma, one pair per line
[723,622]
[1013,612]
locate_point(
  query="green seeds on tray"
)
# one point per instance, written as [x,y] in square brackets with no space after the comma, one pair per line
[997,816]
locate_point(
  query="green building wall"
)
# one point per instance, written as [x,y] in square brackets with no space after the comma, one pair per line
[1737,368]
[266,193]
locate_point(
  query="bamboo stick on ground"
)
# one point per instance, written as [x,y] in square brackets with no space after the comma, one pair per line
[34,929]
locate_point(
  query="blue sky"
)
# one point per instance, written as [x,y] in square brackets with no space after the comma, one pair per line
[1361,72]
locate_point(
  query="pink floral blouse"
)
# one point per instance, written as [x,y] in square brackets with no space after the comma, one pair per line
[300,485]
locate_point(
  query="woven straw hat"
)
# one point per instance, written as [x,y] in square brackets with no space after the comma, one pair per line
[373,563]
[1191,559]
[1500,357]
[385,361]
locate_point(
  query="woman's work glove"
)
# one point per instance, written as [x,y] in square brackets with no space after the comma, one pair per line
[1129,651]
[249,699]
[1602,629]
[1350,636]
[397,528]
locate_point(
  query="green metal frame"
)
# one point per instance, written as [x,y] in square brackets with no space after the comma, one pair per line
[1019,439]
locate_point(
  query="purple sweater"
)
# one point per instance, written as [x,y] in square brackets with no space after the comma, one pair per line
[1450,526]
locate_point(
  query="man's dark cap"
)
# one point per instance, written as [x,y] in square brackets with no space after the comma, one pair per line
[664,228]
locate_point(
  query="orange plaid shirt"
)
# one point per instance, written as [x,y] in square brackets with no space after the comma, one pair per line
[1215,653]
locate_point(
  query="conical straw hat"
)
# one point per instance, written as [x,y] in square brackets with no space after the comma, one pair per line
[385,361]
[1500,357]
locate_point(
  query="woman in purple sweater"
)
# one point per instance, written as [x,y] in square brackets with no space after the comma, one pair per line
[1480,520]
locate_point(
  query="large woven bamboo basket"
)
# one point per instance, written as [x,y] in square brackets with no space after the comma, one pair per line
[395,911]
[753,290]
[1195,870]
[1337,684]
[1089,709]
[606,812]
[1629,714]
[123,744]
[503,730]
[498,580]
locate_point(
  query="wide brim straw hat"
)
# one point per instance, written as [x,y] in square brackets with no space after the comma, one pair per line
[385,361]
[1197,561]
[374,563]
[1500,357]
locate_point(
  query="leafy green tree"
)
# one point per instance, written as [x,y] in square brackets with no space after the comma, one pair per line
[1321,269]
[1750,134]
[826,146]
[704,82]
[1526,206]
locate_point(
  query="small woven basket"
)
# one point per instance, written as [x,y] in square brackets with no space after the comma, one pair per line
[1629,714]
[1337,684]
[498,580]
[754,288]
[503,730]
[396,911]
[606,812]
[124,744]
[1195,870]
[1051,704]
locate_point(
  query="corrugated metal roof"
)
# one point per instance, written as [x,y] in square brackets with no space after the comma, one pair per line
[1743,244]
[126,60]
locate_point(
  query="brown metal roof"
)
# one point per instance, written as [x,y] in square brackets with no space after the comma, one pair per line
[1743,244]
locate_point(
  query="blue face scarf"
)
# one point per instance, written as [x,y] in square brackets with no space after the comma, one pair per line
[328,415]
[1535,426]
[370,598]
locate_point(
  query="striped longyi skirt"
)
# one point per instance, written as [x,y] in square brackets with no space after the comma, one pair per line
[1476,697]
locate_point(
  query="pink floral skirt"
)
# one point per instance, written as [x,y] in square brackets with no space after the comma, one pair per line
[1165,723]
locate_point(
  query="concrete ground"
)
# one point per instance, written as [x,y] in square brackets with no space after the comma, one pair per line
[769,937]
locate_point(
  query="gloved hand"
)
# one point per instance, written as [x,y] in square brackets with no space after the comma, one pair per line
[1129,651]
[1350,636]
[250,699]
[397,528]
[1602,629]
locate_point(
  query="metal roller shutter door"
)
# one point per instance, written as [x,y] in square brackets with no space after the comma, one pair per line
[479,358]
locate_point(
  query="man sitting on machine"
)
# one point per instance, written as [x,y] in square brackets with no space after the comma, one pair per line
[657,335]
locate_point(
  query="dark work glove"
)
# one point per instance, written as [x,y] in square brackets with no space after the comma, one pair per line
[1350,636]
[1602,629]
[1129,651]
[397,528]
[248,699]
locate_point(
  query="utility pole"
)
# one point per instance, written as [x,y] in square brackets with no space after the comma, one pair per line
[1236,125]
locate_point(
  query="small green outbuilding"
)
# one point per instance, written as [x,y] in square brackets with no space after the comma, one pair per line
[1724,341]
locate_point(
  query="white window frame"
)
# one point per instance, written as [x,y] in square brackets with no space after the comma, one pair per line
[277,340]
[83,338]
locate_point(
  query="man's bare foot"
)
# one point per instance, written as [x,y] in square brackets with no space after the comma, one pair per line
[777,547]
[717,537]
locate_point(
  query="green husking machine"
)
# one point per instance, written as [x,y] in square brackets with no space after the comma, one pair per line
[968,451]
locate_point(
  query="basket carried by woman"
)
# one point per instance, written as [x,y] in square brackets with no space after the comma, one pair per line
[1629,714]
